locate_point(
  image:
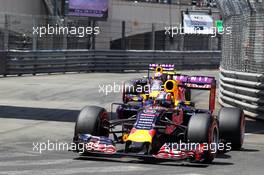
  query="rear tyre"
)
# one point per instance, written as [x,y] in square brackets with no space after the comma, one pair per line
[203,128]
[232,126]
[91,120]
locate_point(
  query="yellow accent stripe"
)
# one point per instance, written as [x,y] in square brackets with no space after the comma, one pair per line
[140,136]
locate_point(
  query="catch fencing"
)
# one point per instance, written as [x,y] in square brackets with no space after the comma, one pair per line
[25,32]
[242,65]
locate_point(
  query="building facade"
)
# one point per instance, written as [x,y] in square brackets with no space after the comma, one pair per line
[130,24]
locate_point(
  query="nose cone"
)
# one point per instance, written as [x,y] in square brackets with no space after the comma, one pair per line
[140,136]
[154,94]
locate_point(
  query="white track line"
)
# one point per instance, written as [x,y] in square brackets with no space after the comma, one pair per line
[256,132]
[24,163]
[86,170]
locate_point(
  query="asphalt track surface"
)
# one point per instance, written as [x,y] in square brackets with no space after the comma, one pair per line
[43,108]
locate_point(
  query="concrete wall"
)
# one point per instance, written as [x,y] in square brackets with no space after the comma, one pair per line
[143,12]
[149,12]
[35,7]
[139,18]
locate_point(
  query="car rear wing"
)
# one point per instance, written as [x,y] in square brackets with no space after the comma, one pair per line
[166,67]
[196,82]
[162,68]
[201,83]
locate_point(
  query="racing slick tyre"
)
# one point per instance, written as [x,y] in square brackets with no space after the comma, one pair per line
[232,126]
[203,128]
[91,121]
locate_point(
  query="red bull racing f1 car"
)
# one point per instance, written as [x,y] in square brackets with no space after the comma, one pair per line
[164,127]
[140,89]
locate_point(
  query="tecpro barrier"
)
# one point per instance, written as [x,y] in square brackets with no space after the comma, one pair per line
[244,90]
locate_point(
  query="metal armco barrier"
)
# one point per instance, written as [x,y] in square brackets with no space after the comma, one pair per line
[35,62]
[244,90]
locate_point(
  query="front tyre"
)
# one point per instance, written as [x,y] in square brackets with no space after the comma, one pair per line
[202,129]
[232,126]
[92,120]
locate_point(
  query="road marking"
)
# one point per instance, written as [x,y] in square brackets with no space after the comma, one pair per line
[86,170]
[256,132]
[34,162]
[190,174]
[16,154]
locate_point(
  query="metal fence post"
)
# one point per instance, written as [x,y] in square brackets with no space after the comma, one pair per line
[153,37]
[55,9]
[65,36]
[6,33]
[34,37]
[93,36]
[123,39]
[210,43]
[181,48]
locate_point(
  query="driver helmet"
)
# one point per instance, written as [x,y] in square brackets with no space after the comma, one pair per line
[148,103]
[158,76]
[164,99]
[169,77]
